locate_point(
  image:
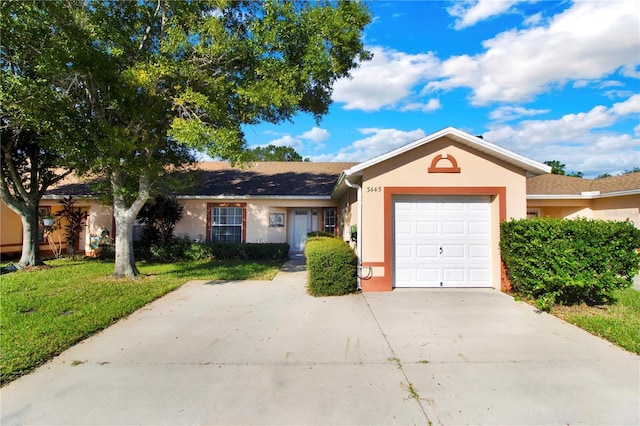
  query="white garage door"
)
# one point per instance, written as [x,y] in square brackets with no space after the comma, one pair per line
[442,241]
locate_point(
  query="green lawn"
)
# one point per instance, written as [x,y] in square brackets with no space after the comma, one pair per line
[619,323]
[46,310]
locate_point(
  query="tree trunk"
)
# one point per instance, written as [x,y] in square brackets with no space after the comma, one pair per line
[28,212]
[125,216]
[125,261]
[31,238]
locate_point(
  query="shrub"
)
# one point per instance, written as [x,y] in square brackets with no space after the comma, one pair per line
[569,261]
[182,248]
[332,266]
[159,216]
[74,223]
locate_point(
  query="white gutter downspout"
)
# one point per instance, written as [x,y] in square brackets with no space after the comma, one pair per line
[358,226]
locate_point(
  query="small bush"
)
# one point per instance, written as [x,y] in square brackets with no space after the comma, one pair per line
[569,261]
[332,266]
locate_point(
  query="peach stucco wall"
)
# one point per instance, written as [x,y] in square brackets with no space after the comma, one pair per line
[409,172]
[10,230]
[194,221]
[620,208]
[625,208]
[100,218]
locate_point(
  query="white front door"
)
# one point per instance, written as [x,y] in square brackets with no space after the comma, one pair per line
[442,241]
[300,227]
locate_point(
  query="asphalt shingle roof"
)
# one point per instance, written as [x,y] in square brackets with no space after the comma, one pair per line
[279,178]
[271,178]
[216,178]
[551,184]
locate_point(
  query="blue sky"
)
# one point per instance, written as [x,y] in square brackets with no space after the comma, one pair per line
[551,80]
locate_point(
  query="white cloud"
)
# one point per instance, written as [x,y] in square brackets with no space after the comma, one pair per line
[579,84]
[508,113]
[431,105]
[533,20]
[377,141]
[610,83]
[579,140]
[630,106]
[631,70]
[471,12]
[587,41]
[385,80]
[288,140]
[316,134]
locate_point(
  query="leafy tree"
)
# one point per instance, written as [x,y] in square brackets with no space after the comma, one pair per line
[603,175]
[274,153]
[39,128]
[161,79]
[633,170]
[558,168]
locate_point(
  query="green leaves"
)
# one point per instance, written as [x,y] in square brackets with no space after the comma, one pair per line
[570,261]
[332,266]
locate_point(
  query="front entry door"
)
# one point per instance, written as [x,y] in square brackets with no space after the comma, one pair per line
[301,226]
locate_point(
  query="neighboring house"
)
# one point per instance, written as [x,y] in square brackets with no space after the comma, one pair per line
[424,215]
[612,198]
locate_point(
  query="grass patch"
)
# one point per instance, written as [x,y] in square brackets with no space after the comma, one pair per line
[45,310]
[619,323]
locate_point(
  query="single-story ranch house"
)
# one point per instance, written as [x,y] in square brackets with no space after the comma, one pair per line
[426,214]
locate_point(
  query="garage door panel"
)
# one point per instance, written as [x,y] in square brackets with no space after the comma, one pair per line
[405,275]
[479,252]
[426,229]
[453,228]
[404,228]
[404,251]
[442,240]
[427,251]
[425,207]
[479,276]
[452,207]
[453,276]
[453,252]
[427,277]
[477,228]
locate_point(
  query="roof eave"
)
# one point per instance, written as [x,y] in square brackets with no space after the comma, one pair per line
[587,196]
[253,197]
[529,165]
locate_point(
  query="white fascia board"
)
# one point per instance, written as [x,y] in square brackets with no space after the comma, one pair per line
[213,197]
[253,197]
[584,196]
[62,197]
[481,145]
[340,184]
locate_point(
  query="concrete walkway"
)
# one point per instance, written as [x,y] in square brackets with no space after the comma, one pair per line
[264,352]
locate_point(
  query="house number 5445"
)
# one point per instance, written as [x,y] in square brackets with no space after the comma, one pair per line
[374,189]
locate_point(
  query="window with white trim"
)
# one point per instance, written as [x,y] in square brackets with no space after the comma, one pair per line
[226,222]
[329,223]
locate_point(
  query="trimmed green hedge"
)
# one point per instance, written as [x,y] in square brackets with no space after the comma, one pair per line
[569,261]
[332,266]
[184,249]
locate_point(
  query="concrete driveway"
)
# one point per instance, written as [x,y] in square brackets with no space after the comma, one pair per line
[257,352]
